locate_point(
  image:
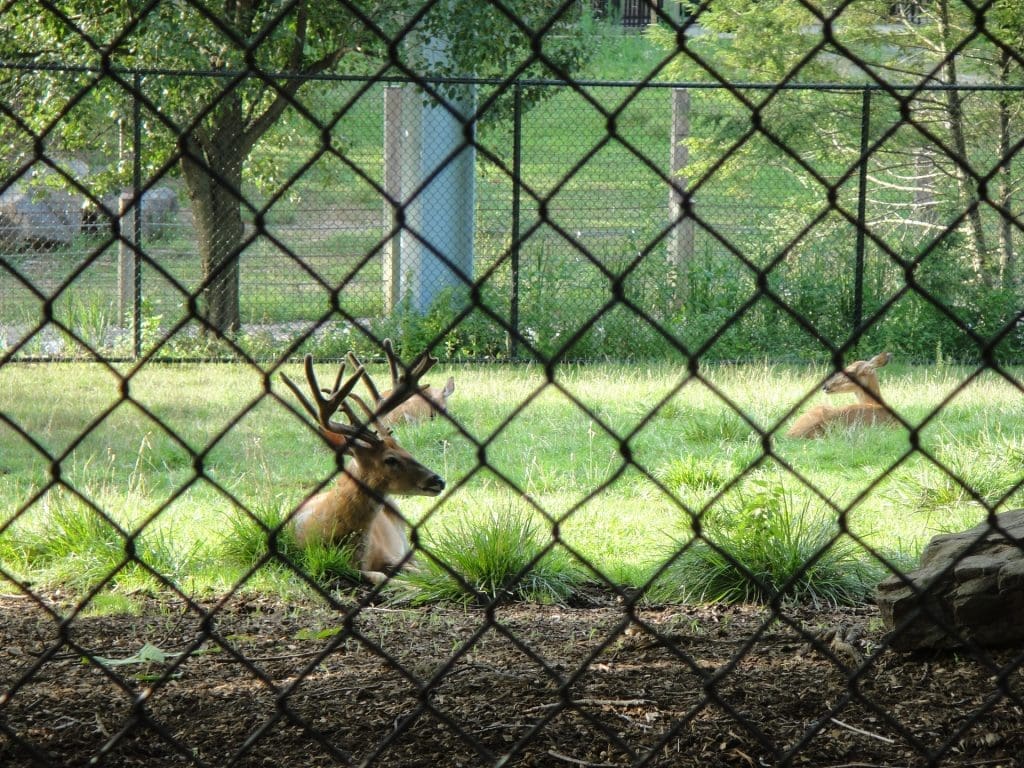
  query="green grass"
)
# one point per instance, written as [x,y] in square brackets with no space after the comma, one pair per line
[137,462]
[767,546]
[491,558]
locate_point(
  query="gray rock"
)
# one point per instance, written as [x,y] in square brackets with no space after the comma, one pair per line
[40,210]
[159,213]
[969,587]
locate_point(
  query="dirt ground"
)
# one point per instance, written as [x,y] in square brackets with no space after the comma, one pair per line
[257,682]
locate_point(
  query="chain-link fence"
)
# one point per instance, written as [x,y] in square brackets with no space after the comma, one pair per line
[588,209]
[669,556]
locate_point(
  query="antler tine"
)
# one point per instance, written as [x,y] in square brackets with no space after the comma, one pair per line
[389,352]
[423,364]
[405,385]
[325,406]
[329,405]
[301,397]
[369,417]
[374,392]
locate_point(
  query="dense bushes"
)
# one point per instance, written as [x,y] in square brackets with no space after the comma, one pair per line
[802,311]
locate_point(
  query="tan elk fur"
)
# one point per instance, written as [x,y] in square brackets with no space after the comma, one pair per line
[423,405]
[861,379]
[430,402]
[357,508]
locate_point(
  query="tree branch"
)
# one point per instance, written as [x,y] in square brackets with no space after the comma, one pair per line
[286,92]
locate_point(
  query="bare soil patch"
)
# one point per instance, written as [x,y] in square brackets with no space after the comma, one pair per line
[262,682]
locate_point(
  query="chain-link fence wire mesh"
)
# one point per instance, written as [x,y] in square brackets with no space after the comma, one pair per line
[577,251]
[609,216]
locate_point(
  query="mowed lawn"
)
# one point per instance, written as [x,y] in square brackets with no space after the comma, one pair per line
[615,460]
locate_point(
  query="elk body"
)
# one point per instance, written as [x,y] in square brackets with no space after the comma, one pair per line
[423,405]
[859,378]
[357,508]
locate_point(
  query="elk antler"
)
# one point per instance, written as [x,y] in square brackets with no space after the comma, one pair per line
[329,401]
[403,385]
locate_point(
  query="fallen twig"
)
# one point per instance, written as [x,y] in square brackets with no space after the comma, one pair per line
[861,731]
[577,761]
[594,703]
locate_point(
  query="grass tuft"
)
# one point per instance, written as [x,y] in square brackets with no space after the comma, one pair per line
[249,541]
[74,545]
[492,558]
[759,551]
[989,473]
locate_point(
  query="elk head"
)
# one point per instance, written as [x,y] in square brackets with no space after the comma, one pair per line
[859,378]
[381,465]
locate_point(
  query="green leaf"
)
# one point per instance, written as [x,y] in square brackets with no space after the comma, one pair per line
[148,654]
[313,634]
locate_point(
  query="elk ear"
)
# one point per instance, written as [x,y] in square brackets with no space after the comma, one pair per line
[449,387]
[879,360]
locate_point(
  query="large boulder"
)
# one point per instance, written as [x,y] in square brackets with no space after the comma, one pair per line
[969,587]
[159,213]
[41,209]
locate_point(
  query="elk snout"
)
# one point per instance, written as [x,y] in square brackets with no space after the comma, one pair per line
[832,384]
[433,485]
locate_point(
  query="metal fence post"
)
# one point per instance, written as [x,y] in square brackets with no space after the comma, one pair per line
[517,166]
[862,197]
[137,219]
[680,238]
[128,214]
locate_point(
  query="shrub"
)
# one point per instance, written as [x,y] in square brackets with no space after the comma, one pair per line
[762,550]
[496,559]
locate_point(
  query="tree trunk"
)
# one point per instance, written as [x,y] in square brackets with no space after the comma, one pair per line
[1008,258]
[955,118]
[213,177]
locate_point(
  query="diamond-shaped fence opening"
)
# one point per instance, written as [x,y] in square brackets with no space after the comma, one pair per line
[405,384]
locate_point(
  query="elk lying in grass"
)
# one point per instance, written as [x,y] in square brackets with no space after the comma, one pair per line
[357,508]
[859,378]
[425,404]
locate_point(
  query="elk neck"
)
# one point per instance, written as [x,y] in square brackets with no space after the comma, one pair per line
[869,393]
[358,495]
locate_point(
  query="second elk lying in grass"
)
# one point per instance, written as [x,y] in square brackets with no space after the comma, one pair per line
[859,378]
[426,403]
[357,508]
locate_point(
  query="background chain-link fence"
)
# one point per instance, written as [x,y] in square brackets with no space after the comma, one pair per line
[607,213]
[244,185]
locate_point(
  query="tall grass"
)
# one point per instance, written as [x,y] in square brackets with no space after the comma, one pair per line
[489,559]
[769,547]
[198,488]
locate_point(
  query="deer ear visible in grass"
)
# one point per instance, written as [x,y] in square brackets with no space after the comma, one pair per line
[881,359]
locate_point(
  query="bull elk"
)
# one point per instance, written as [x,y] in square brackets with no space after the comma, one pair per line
[861,379]
[358,508]
[424,404]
